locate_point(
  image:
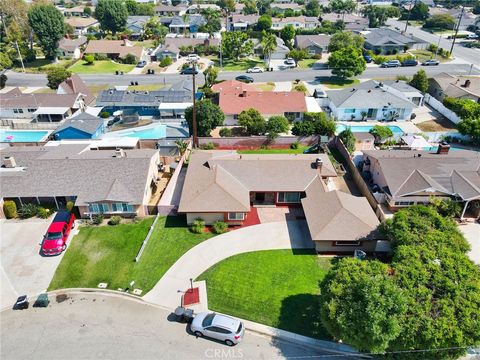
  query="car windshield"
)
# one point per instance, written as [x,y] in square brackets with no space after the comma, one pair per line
[208,320]
[239,328]
[54,235]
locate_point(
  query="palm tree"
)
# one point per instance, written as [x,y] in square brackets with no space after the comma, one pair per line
[269,44]
[182,146]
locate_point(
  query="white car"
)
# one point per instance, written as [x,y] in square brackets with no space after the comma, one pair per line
[220,327]
[255,69]
[193,57]
[289,62]
[319,93]
[472,36]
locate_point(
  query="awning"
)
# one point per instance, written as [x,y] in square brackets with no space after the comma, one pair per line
[416,141]
[312,104]
[174,106]
[51,110]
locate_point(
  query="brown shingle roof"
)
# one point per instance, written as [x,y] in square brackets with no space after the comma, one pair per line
[81,22]
[71,44]
[115,47]
[74,85]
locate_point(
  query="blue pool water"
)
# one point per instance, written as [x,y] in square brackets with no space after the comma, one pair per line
[157,132]
[366,128]
[22,136]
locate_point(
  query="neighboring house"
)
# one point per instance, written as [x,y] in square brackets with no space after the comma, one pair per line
[298,22]
[373,100]
[114,49]
[80,126]
[385,40]
[364,141]
[76,11]
[458,87]
[109,182]
[81,24]
[408,177]
[313,44]
[281,8]
[190,23]
[239,8]
[197,8]
[241,22]
[136,24]
[468,18]
[75,85]
[352,22]
[403,89]
[170,10]
[225,186]
[172,46]
[70,48]
[280,52]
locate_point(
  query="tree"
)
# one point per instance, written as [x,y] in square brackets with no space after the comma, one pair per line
[343,6]
[131,6]
[5,61]
[236,44]
[263,6]
[440,21]
[87,11]
[287,34]
[153,29]
[112,15]
[276,125]
[314,124]
[342,39]
[212,21]
[466,109]
[312,8]
[381,133]
[56,75]
[269,44]
[347,62]
[182,146]
[264,22]
[348,139]
[253,122]
[48,25]
[227,5]
[208,116]
[420,81]
[362,305]
[89,59]
[470,128]
[210,74]
[378,15]
[250,7]
[297,55]
[418,12]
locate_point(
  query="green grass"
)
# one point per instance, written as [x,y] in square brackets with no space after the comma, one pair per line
[265,86]
[334,82]
[278,288]
[306,63]
[274,151]
[107,253]
[245,64]
[423,55]
[100,67]
[40,65]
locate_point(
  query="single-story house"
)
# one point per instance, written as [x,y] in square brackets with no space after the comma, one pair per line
[281,8]
[136,24]
[81,24]
[191,23]
[170,10]
[352,22]
[80,126]
[370,100]
[280,52]
[109,182]
[114,49]
[225,185]
[313,44]
[298,22]
[74,85]
[407,177]
[76,11]
[468,18]
[172,45]
[241,22]
[388,41]
[458,87]
[70,48]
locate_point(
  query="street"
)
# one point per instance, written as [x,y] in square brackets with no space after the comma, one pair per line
[20,79]
[96,326]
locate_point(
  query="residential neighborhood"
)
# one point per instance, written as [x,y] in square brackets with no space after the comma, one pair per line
[198,179]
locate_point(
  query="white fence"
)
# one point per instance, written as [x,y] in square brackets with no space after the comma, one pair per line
[437,105]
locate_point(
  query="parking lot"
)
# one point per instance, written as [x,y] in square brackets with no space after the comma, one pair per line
[23,270]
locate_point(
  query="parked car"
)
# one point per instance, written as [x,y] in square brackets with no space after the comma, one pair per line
[471,36]
[189,71]
[245,79]
[255,69]
[141,64]
[410,62]
[289,62]
[55,240]
[219,327]
[367,58]
[431,62]
[193,57]
[391,63]
[319,92]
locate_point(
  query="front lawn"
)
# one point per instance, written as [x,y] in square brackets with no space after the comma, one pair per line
[279,288]
[334,82]
[106,254]
[240,65]
[100,67]
[269,86]
[424,55]
[306,63]
[274,151]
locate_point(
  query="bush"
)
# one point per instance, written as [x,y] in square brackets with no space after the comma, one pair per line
[114,220]
[129,59]
[295,145]
[28,210]
[10,209]
[104,114]
[208,146]
[166,61]
[89,59]
[70,205]
[219,227]
[44,213]
[225,132]
[300,88]
[97,219]
[198,226]
[100,57]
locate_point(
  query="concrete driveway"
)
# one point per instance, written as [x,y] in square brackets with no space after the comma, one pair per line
[472,234]
[23,270]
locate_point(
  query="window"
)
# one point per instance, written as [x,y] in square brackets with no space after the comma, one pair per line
[404,203]
[218,330]
[349,111]
[31,110]
[236,216]
[98,208]
[122,207]
[289,197]
[347,243]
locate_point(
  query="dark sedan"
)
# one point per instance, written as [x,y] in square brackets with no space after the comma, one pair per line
[244,78]
[189,71]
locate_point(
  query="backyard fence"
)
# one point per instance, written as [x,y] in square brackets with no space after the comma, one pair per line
[437,105]
[255,142]
[144,244]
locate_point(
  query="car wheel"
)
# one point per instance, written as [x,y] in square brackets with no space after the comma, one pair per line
[229,342]
[198,334]
[64,247]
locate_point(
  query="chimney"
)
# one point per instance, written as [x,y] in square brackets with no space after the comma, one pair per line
[244,93]
[443,148]
[9,162]
[319,163]
[120,153]
[467,84]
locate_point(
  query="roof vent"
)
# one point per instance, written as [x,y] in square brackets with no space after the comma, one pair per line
[9,162]
[318,163]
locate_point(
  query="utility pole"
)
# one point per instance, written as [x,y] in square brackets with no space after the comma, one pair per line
[16,42]
[409,13]
[456,30]
[194,112]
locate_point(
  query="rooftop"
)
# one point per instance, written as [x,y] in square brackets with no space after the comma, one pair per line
[116,47]
[84,122]
[386,36]
[81,22]
[304,41]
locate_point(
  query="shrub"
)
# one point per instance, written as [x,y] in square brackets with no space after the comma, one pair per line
[10,209]
[166,61]
[104,114]
[97,219]
[208,146]
[100,57]
[219,227]
[114,220]
[225,132]
[295,145]
[198,226]
[44,213]
[28,210]
[300,88]
[89,59]
[70,205]
[129,59]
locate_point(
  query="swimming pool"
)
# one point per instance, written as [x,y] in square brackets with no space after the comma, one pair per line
[22,135]
[366,128]
[157,131]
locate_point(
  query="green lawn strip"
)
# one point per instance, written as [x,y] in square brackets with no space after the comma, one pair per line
[423,55]
[274,151]
[333,82]
[306,63]
[99,67]
[232,65]
[170,240]
[278,288]
[101,254]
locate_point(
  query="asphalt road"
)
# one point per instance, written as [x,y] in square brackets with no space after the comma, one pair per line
[93,326]
[20,79]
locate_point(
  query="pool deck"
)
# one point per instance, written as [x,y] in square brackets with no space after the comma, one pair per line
[407,126]
[131,131]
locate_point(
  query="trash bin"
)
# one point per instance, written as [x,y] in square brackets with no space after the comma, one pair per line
[116,72]
[184,315]
[42,300]
[21,303]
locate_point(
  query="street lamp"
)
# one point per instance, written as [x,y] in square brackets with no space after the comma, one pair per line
[193,63]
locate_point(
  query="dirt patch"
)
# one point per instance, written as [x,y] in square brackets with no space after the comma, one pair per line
[440,124]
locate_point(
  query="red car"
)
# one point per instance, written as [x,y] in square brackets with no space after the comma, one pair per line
[55,240]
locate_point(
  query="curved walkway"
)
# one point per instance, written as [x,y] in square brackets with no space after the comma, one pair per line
[270,236]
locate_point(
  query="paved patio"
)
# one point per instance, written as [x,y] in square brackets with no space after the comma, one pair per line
[277,214]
